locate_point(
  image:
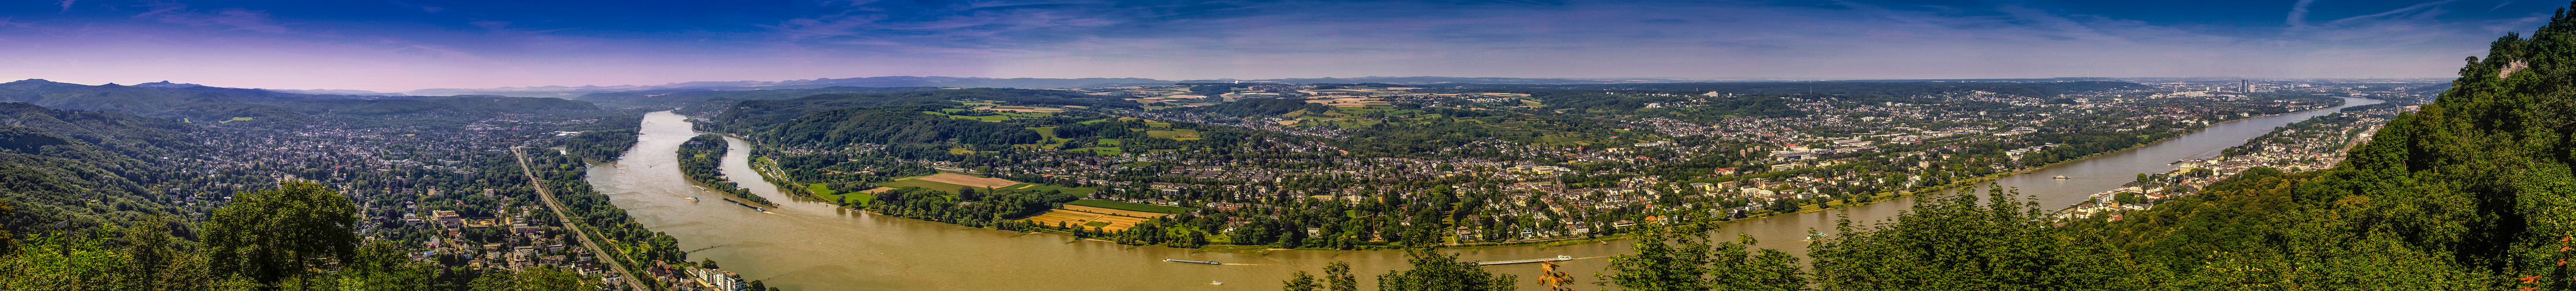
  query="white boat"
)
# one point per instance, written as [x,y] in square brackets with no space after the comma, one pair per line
[693,198]
[2058,177]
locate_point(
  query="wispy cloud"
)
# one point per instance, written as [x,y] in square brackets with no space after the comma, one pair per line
[234,18]
[12,22]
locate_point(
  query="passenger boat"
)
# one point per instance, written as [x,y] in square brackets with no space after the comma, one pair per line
[2057,177]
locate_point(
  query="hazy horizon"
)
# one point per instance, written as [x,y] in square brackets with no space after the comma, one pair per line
[395,46]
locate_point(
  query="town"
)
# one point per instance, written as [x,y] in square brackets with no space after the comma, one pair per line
[1649,164]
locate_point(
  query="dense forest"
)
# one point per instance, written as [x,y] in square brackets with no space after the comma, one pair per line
[754,113]
[894,126]
[666,99]
[969,206]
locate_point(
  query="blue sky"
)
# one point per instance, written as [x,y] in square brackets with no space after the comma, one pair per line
[394,45]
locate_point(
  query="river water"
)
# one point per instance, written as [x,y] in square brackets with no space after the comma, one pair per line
[809,245]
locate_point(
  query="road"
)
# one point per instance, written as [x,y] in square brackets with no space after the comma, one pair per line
[603,254]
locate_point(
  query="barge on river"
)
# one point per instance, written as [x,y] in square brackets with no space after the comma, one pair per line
[739,202]
[1193,262]
[1514,262]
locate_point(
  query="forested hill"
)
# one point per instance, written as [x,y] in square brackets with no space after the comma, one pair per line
[666,99]
[217,104]
[123,133]
[2473,192]
[763,112]
[73,169]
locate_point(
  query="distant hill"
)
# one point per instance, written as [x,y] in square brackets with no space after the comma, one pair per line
[1447,80]
[754,113]
[335,92]
[206,104]
[2030,89]
[892,81]
[166,84]
[684,97]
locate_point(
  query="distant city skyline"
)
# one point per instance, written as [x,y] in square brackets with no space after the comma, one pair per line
[400,45]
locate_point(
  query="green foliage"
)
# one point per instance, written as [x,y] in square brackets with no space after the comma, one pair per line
[747,115]
[702,160]
[1300,281]
[896,126]
[1259,107]
[1338,276]
[1682,258]
[1435,271]
[1958,243]
[72,170]
[969,206]
[147,257]
[604,145]
[277,234]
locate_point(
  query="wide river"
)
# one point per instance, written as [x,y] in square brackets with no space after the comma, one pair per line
[807,245]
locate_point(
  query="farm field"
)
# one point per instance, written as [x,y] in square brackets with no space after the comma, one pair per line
[861,198]
[1127,206]
[969,181]
[942,187]
[951,182]
[1069,216]
[1020,109]
[1043,187]
[1177,134]
[1127,213]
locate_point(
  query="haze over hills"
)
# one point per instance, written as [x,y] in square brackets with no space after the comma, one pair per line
[206,103]
[1074,83]
[980,82]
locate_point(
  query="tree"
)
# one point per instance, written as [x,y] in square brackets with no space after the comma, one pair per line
[382,266]
[1339,274]
[1434,271]
[282,233]
[154,260]
[549,279]
[8,242]
[1300,281]
[1958,243]
[1682,258]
